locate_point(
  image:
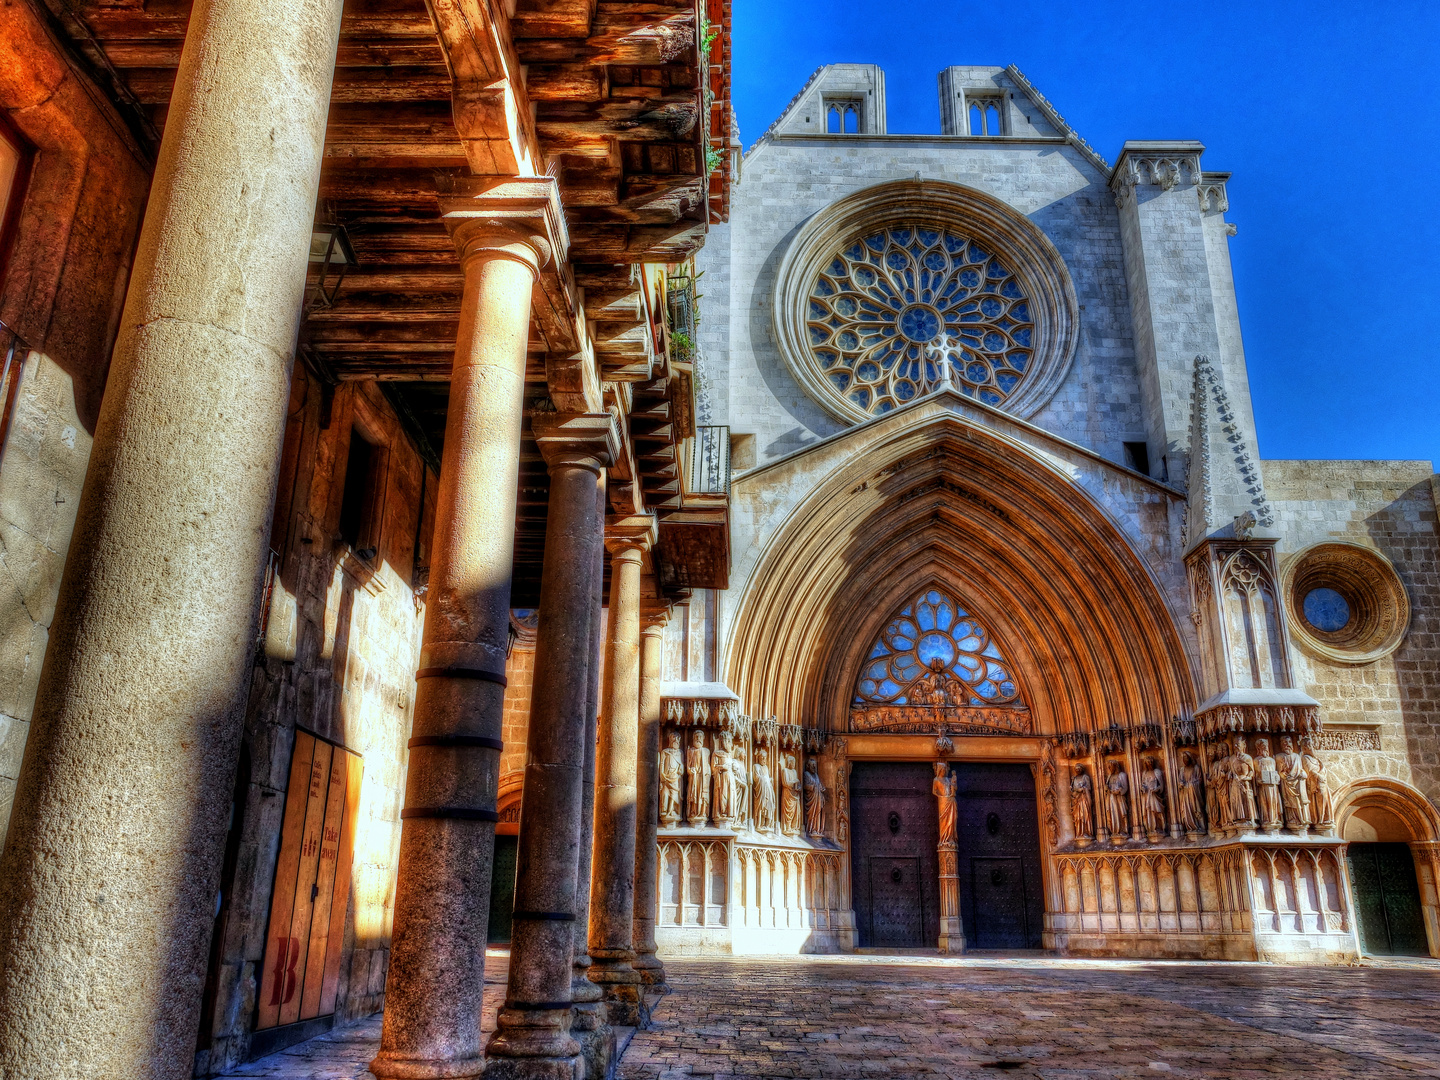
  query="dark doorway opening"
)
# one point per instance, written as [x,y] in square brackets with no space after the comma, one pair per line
[1387,900]
[502,888]
[895,872]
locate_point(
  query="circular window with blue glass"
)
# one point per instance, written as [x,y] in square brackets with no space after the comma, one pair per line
[1347,603]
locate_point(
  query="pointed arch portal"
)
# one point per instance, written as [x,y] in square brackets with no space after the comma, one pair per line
[1082,626]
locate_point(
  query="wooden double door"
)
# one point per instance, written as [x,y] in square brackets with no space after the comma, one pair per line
[895,871]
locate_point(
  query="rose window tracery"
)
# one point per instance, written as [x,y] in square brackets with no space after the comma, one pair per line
[902,309]
[935,653]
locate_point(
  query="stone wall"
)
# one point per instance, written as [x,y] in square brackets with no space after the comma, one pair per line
[61,289]
[1389,506]
[790,178]
[338,659]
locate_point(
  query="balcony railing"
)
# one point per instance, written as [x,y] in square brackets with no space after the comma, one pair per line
[710,461]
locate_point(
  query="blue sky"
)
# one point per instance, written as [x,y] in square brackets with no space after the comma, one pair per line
[1328,115]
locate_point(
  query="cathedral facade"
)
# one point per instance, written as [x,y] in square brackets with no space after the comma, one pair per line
[1004,548]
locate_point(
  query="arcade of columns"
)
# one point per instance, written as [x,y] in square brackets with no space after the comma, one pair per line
[583,141]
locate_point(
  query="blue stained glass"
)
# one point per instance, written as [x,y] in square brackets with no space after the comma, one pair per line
[970,279]
[1022,337]
[817,310]
[822,288]
[848,340]
[933,652]
[997,271]
[855,252]
[900,236]
[897,260]
[995,342]
[827,359]
[1006,381]
[927,237]
[1017,360]
[1011,289]
[864,276]
[1326,610]
[904,390]
[1020,312]
[837,268]
[953,244]
[845,306]
[989,397]
[935,261]
[884,405]
[977,372]
[869,371]
[819,335]
[877,242]
[841,379]
[861,398]
[977,253]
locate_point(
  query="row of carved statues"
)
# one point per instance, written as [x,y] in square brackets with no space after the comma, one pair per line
[701,786]
[1241,793]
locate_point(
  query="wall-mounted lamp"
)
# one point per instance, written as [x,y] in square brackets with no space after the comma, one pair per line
[330,249]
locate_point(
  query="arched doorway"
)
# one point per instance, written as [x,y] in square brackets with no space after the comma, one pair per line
[1392,854]
[1080,618]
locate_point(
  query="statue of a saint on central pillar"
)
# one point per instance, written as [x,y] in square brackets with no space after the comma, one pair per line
[952,937]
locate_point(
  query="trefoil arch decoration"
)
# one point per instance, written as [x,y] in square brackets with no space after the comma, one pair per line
[913,285]
[936,667]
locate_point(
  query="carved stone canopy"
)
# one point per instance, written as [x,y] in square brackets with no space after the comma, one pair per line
[699,704]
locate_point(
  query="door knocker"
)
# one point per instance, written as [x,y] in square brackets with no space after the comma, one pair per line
[894,823]
[992,823]
[895,875]
[997,876]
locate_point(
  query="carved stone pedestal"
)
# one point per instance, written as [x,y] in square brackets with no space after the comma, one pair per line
[952,936]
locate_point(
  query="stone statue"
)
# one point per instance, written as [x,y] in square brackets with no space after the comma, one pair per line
[814,800]
[1152,798]
[1267,783]
[1117,802]
[764,798]
[725,805]
[1190,800]
[943,788]
[697,773]
[789,796]
[1219,784]
[672,772]
[1322,809]
[1294,793]
[741,778]
[1240,771]
[1082,804]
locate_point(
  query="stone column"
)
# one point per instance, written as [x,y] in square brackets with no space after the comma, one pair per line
[612,888]
[647,802]
[114,850]
[532,1039]
[435,985]
[587,1017]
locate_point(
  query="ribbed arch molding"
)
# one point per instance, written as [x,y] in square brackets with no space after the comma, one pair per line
[1025,549]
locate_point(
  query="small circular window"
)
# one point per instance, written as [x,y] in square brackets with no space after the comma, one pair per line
[1326,610]
[1347,603]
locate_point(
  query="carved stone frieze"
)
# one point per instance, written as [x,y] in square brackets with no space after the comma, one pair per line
[1333,738]
[926,720]
[1248,719]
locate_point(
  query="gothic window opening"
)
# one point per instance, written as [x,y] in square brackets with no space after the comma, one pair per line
[985,116]
[842,117]
[935,653]
[899,312]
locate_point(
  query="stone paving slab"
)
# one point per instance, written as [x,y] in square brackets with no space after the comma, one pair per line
[860,1017]
[863,1017]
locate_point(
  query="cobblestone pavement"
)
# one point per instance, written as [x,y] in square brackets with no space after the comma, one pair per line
[862,1017]
[872,1016]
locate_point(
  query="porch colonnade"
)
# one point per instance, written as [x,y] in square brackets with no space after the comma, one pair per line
[112,861]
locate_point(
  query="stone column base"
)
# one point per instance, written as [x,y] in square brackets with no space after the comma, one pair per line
[596,1039]
[952,939]
[536,1068]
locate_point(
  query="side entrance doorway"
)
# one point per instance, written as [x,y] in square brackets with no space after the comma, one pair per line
[1387,900]
[895,871]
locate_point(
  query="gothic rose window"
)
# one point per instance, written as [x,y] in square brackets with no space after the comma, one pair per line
[935,653]
[893,310]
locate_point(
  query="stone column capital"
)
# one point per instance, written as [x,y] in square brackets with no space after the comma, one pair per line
[588,440]
[634,533]
[518,218]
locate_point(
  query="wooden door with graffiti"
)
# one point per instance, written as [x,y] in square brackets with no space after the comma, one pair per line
[312,884]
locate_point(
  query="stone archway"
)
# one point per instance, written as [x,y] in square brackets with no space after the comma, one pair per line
[963,502]
[1376,815]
